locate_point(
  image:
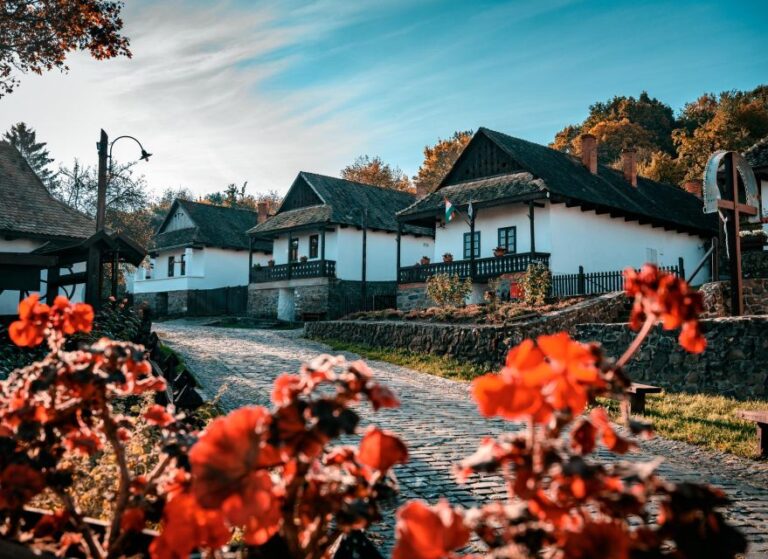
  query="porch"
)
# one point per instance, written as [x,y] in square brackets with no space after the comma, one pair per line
[479,269]
[294,270]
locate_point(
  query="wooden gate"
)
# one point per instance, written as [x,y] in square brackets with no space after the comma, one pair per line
[214,302]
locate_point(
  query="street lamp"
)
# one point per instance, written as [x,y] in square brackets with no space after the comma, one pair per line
[105,154]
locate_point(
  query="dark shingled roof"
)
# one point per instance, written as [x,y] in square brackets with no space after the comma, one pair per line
[217,226]
[343,203]
[28,210]
[757,155]
[566,179]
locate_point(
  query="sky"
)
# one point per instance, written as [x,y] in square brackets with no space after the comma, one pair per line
[224,91]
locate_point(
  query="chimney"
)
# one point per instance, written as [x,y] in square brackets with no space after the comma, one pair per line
[421,190]
[263,211]
[589,152]
[695,187]
[629,164]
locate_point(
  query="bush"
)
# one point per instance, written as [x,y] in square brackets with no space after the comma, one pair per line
[536,283]
[448,290]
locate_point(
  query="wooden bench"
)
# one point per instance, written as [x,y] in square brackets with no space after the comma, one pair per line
[761,419]
[637,393]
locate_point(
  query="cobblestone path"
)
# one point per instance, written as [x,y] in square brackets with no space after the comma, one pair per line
[439,423]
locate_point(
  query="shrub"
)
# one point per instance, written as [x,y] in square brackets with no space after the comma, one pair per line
[448,290]
[536,284]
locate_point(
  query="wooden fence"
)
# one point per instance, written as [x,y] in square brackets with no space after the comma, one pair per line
[595,283]
[213,302]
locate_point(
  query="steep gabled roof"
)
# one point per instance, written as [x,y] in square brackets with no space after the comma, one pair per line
[757,155]
[27,209]
[336,201]
[539,171]
[216,226]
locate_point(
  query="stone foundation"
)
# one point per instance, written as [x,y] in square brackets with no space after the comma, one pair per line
[412,296]
[165,303]
[262,303]
[717,298]
[754,263]
[735,362]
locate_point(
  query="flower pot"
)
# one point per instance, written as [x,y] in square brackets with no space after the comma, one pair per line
[447,257]
[499,252]
[424,261]
[303,259]
[271,263]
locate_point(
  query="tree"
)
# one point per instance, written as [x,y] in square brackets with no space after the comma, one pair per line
[372,170]
[662,167]
[127,194]
[439,159]
[24,139]
[38,35]
[236,197]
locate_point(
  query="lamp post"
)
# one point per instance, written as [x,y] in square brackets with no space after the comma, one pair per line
[93,274]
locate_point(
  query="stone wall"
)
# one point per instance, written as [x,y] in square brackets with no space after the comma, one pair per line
[412,296]
[735,362]
[176,305]
[717,298]
[262,303]
[311,299]
[754,263]
[482,344]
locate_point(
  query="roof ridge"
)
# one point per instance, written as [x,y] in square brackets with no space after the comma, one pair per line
[210,205]
[357,183]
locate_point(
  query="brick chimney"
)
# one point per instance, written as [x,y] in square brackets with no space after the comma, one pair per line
[589,152]
[263,211]
[629,165]
[695,187]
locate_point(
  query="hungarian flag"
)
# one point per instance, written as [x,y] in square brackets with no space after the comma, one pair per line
[450,211]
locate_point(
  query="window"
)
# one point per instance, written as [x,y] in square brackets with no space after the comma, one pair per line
[183,265]
[651,255]
[314,244]
[468,245]
[293,250]
[508,239]
[171,263]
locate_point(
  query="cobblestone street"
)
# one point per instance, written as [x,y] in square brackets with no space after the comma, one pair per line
[438,421]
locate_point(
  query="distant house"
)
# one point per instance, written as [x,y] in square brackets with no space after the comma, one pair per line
[533,203]
[336,246]
[199,247]
[44,243]
[757,157]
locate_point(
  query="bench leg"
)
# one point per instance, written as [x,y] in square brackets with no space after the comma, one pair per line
[637,403]
[762,439]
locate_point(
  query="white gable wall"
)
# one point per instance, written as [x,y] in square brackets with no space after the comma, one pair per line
[764,202]
[179,220]
[601,243]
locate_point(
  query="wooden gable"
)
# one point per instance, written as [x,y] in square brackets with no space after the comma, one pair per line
[481,158]
[177,219]
[300,195]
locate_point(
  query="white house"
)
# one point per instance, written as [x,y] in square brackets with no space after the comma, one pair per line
[336,246]
[198,247]
[539,204]
[757,156]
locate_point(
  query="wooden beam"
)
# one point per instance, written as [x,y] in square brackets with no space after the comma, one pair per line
[26,259]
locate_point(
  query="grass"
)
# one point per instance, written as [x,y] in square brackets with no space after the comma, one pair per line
[700,419]
[437,365]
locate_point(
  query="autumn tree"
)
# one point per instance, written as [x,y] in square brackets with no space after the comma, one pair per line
[662,167]
[438,160]
[234,196]
[372,170]
[735,121]
[24,139]
[37,35]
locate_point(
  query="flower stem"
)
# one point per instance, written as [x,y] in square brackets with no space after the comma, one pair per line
[650,321]
[94,548]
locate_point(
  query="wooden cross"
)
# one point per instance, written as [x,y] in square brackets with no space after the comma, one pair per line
[733,227]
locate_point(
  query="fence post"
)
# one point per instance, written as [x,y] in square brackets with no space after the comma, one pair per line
[680,268]
[581,281]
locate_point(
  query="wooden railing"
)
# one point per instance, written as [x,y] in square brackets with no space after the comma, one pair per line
[294,270]
[484,268]
[595,283]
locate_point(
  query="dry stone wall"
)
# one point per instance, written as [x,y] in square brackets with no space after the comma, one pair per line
[717,298]
[735,362]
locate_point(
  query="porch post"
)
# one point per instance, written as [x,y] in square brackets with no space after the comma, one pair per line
[115,262]
[533,229]
[52,285]
[290,247]
[399,234]
[322,244]
[472,245]
[250,257]
[363,294]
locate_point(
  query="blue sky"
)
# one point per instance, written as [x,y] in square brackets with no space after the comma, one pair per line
[225,91]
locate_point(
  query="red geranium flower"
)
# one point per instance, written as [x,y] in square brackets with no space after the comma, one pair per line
[18,484]
[597,540]
[428,532]
[257,507]
[133,520]
[227,452]
[158,415]
[381,450]
[29,330]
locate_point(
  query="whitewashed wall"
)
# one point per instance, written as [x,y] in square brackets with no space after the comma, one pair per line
[764,201]
[207,268]
[345,246]
[9,300]
[413,248]
[488,221]
[601,243]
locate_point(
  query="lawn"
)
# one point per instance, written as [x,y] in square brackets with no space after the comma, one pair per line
[699,419]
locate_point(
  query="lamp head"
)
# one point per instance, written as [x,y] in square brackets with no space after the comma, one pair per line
[145,155]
